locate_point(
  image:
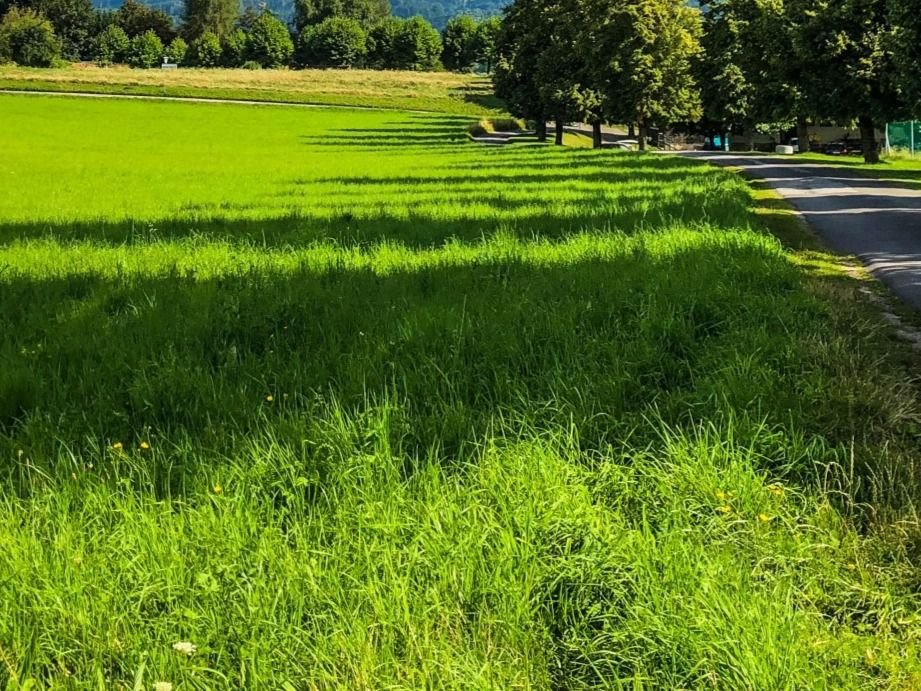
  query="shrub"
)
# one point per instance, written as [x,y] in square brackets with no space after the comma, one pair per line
[334,42]
[206,50]
[251,65]
[418,45]
[177,51]
[269,42]
[111,45]
[489,126]
[382,40]
[460,43]
[234,49]
[146,50]
[27,38]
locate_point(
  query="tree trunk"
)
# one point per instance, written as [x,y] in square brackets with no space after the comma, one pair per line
[868,139]
[631,131]
[541,129]
[750,137]
[642,138]
[558,123]
[802,134]
[597,139]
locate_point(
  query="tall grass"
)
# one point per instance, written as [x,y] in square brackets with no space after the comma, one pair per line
[346,401]
[440,92]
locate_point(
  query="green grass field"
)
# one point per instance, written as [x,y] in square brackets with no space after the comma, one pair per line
[347,401]
[440,92]
[898,167]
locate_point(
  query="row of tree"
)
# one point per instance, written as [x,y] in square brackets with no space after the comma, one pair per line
[729,65]
[326,33]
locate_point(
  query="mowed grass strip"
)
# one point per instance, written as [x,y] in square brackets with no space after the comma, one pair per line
[344,400]
[441,92]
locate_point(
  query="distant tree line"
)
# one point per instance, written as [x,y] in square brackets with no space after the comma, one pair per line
[216,33]
[740,65]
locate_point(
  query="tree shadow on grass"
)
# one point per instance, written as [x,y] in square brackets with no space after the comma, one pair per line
[604,345]
[461,201]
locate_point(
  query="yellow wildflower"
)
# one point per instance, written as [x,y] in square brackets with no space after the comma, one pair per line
[270,398]
[775,489]
[764,518]
[118,446]
[725,509]
[217,489]
[163,686]
[144,445]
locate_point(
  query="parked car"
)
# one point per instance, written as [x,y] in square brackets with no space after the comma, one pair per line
[843,147]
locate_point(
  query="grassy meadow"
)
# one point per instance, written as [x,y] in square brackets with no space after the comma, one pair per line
[441,92]
[338,399]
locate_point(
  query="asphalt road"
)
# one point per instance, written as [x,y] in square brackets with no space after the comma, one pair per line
[879,221]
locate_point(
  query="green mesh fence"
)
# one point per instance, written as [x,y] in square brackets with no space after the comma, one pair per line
[904,136]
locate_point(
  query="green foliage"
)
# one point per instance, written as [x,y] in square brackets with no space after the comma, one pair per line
[136,18]
[905,44]
[440,12]
[365,12]
[486,40]
[112,45]
[269,42]
[461,47]
[216,16]
[233,49]
[523,35]
[206,50]
[647,74]
[852,38]
[334,42]
[417,46]
[27,38]
[382,43]
[146,50]
[72,21]
[177,51]
[388,409]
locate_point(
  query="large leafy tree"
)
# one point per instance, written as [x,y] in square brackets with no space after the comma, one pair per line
[382,42]
[569,84]
[417,45]
[748,72]
[217,16]
[849,46]
[646,50]
[486,38]
[269,41]
[73,22]
[366,12]
[334,42]
[460,41]
[905,42]
[137,18]
[27,38]
[525,32]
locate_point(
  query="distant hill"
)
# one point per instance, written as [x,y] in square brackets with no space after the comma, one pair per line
[436,11]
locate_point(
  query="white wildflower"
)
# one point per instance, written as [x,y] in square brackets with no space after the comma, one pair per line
[185,647]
